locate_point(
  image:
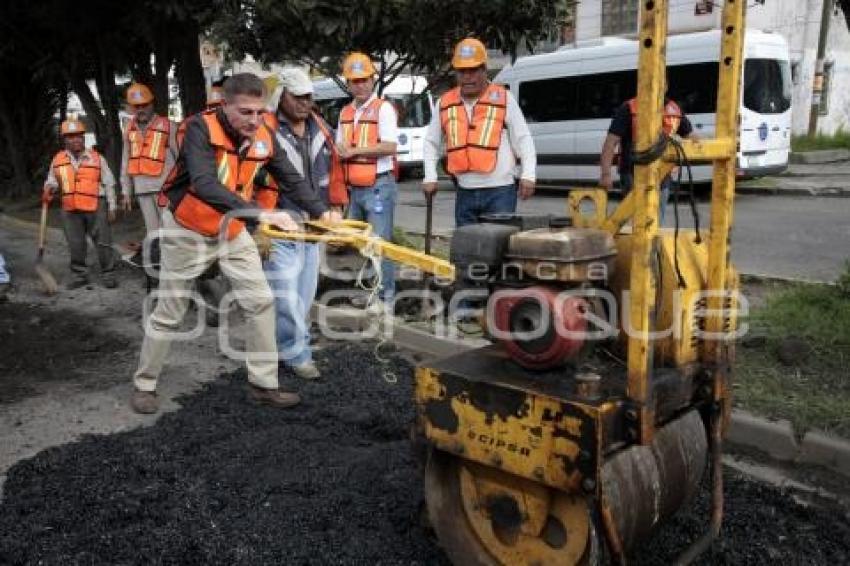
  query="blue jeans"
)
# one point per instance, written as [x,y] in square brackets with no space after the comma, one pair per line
[362,207]
[293,274]
[471,204]
[627,181]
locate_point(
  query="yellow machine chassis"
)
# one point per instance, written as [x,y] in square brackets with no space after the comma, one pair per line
[529,441]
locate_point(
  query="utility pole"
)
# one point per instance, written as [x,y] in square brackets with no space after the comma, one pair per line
[817,86]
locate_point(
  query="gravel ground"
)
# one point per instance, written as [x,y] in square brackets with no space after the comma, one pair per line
[332,481]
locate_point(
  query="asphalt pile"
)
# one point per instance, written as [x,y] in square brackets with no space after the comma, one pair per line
[333,481]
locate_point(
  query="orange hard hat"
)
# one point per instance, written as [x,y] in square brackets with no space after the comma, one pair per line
[72,127]
[138,94]
[216,97]
[358,66]
[469,54]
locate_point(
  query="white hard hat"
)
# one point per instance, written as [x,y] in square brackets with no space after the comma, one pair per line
[295,81]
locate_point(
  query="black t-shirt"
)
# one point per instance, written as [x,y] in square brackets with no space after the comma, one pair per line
[621,125]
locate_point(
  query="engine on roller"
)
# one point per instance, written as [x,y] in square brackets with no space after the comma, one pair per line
[531,275]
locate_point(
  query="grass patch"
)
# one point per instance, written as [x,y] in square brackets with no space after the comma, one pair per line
[439,246]
[811,390]
[840,139]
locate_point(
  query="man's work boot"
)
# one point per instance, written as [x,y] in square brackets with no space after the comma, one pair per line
[77,282]
[307,370]
[144,402]
[273,397]
[109,281]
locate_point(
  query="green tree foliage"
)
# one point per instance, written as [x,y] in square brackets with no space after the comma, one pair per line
[417,35]
[52,47]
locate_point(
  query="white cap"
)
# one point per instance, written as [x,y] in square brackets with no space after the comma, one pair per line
[295,81]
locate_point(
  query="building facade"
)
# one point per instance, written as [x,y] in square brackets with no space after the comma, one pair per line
[798,21]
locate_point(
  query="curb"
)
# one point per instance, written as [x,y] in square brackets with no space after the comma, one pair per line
[819,156]
[773,437]
[833,192]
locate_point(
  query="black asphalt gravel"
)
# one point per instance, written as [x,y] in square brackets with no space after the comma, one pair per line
[333,481]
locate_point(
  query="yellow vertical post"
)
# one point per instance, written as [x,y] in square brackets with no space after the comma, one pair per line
[650,99]
[723,181]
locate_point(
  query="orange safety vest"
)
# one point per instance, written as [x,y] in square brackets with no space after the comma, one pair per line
[235,173]
[361,171]
[473,147]
[81,187]
[147,151]
[267,190]
[669,122]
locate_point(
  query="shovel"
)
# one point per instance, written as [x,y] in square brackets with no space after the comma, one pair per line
[41,270]
[427,309]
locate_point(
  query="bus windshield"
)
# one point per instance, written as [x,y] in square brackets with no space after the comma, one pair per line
[767,86]
[413,109]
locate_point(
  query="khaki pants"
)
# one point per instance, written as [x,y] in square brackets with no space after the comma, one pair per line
[185,256]
[151,212]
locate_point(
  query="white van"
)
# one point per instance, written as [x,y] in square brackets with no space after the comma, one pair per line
[412,104]
[569,97]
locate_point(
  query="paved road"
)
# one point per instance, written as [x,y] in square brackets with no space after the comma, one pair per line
[779,236]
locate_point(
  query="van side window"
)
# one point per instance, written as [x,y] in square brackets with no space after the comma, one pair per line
[595,97]
[694,87]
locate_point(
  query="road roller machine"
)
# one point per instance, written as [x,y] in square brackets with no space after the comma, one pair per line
[599,409]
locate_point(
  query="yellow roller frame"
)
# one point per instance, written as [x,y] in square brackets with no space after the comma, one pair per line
[358,234]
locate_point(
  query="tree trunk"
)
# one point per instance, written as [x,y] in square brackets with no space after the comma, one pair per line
[193,92]
[110,138]
[163,59]
[15,147]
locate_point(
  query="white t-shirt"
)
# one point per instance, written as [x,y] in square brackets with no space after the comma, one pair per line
[516,143]
[387,129]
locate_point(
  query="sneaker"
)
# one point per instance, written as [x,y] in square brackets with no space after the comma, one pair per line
[144,402]
[76,283]
[109,281]
[273,397]
[307,370]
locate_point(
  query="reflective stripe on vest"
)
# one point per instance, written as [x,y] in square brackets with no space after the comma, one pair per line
[361,171]
[234,172]
[473,147]
[80,188]
[148,150]
[669,122]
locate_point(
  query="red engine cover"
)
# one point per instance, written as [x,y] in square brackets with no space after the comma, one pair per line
[524,312]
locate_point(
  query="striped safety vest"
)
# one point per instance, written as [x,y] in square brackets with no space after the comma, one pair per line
[361,171]
[148,150]
[473,147]
[234,172]
[80,188]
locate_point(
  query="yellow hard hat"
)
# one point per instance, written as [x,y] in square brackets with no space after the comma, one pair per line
[358,66]
[72,127]
[469,54]
[216,97]
[138,94]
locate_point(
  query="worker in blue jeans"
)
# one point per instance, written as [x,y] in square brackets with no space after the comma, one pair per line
[292,267]
[367,140]
[485,134]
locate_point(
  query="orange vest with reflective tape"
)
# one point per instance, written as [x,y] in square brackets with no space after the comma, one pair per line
[235,173]
[80,188]
[669,122]
[473,147]
[148,150]
[361,171]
